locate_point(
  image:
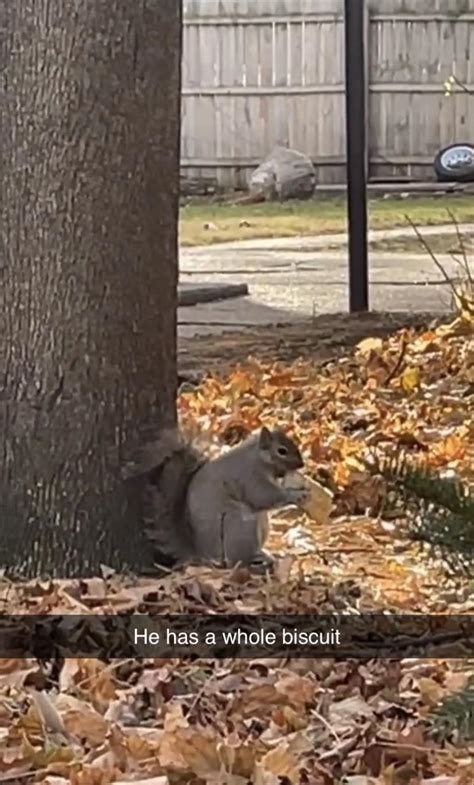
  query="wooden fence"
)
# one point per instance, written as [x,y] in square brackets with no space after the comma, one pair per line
[257,73]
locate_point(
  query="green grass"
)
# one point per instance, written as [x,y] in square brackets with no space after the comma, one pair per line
[321,215]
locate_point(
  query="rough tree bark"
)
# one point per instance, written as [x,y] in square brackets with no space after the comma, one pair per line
[89,140]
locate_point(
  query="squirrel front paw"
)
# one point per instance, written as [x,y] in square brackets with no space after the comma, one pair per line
[298,496]
[262,562]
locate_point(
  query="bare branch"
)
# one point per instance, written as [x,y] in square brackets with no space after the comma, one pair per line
[396,368]
[465,264]
[462,294]
[462,86]
[431,254]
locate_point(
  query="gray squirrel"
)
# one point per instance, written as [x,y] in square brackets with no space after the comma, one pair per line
[215,510]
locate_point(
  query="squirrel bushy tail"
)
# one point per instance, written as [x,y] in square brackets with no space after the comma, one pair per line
[167,467]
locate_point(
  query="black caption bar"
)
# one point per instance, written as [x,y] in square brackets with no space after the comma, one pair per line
[345,636]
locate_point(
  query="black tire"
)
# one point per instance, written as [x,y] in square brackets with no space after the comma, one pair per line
[462,172]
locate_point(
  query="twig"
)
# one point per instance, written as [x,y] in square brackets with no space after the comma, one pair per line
[111,666]
[464,302]
[76,605]
[343,748]
[13,776]
[462,86]
[399,362]
[327,725]
[200,693]
[432,255]
[466,265]
[460,262]
[349,549]
[414,747]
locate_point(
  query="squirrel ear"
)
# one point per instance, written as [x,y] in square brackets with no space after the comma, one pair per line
[265,439]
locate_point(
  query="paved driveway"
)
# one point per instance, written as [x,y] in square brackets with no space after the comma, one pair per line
[293,278]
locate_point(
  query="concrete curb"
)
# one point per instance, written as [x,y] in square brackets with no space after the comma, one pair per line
[195,294]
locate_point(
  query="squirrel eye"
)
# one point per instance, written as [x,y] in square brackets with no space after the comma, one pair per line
[282,451]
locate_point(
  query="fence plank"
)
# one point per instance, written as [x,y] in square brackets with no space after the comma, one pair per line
[257,73]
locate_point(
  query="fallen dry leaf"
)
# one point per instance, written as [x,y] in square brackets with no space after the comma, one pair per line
[410,379]
[274,720]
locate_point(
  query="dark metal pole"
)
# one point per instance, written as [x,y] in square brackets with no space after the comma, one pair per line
[354,13]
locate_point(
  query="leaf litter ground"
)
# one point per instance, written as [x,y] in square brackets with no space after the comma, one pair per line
[274,721]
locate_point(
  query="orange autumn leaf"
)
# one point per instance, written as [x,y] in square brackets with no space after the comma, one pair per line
[452,449]
[342,474]
[317,450]
[241,382]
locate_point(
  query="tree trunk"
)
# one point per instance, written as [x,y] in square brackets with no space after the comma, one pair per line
[88,271]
